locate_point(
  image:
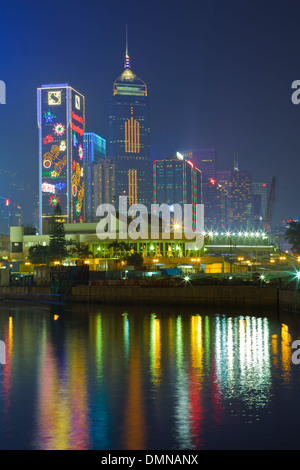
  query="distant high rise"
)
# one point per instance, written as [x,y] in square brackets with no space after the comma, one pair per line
[61,120]
[241,202]
[238,184]
[94,147]
[129,136]
[206,160]
[94,152]
[100,180]
[261,189]
[176,181]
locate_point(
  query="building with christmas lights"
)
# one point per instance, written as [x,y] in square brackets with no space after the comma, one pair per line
[176,181]
[61,122]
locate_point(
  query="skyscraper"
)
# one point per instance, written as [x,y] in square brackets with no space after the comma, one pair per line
[177,181]
[61,121]
[261,189]
[206,160]
[238,184]
[129,136]
[94,147]
[100,186]
[94,152]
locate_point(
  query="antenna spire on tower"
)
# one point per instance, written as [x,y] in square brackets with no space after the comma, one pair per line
[235,163]
[127,62]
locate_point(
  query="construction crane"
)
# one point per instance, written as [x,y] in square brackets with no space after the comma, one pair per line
[267,222]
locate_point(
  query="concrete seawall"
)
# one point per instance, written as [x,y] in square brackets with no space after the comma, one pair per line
[219,296]
[32,293]
[214,296]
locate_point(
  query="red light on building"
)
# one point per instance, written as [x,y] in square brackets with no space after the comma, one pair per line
[212,181]
[7,202]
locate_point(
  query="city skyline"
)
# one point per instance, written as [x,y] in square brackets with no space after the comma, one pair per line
[238,102]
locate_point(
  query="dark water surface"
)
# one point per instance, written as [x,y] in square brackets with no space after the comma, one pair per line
[107,377]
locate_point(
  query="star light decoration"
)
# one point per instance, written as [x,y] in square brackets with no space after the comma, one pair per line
[54,200]
[49,116]
[59,129]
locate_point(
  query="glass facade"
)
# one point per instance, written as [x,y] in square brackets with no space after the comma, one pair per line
[94,147]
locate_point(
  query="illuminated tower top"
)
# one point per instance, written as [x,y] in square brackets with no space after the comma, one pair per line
[128,83]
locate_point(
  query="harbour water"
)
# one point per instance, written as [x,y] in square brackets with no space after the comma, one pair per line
[144,378]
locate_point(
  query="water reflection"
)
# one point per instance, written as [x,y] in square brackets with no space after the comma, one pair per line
[109,379]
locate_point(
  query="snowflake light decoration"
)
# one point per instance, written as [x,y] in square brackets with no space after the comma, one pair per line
[59,129]
[54,200]
[80,152]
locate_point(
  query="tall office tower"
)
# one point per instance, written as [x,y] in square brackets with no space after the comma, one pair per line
[5,212]
[222,207]
[224,179]
[239,188]
[61,120]
[10,215]
[177,181]
[241,200]
[94,151]
[129,136]
[257,214]
[261,189]
[206,160]
[100,178]
[94,147]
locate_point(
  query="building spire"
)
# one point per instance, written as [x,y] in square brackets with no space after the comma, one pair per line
[127,61]
[235,163]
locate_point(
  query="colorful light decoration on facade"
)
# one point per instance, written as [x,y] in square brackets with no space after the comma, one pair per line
[60,186]
[49,116]
[63,146]
[59,129]
[75,141]
[54,200]
[48,139]
[80,152]
[48,188]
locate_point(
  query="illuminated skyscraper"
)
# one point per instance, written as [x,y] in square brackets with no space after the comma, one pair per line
[100,184]
[176,181]
[206,160]
[61,121]
[238,185]
[129,136]
[261,189]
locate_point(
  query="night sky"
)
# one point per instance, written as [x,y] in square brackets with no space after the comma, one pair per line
[219,74]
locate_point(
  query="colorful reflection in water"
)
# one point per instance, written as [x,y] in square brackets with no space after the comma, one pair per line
[105,378]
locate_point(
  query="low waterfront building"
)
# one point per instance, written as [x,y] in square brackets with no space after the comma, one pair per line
[222,252]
